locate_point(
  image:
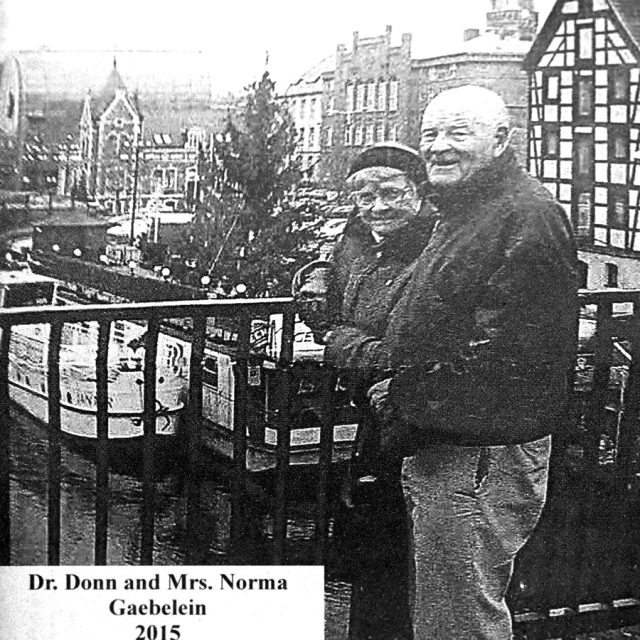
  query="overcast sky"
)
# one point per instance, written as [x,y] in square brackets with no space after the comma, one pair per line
[238,33]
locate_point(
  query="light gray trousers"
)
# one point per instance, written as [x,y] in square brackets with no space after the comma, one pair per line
[472,509]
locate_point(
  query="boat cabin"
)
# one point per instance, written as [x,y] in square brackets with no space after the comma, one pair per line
[26,289]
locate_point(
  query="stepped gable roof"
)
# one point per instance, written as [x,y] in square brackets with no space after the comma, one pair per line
[627,13]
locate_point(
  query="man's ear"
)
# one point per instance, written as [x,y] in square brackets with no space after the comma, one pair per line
[503,137]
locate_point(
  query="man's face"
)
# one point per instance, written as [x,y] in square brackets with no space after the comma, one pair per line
[456,143]
[385,197]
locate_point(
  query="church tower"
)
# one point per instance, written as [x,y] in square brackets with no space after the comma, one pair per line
[513,18]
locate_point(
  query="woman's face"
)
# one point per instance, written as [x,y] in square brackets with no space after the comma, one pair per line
[386,199]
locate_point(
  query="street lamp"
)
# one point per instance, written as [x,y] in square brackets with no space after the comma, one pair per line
[205,281]
[136,167]
[77,252]
[166,272]
[132,265]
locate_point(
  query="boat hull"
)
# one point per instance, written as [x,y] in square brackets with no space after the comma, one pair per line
[82,423]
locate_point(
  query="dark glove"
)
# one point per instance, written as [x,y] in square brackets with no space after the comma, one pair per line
[398,438]
[310,287]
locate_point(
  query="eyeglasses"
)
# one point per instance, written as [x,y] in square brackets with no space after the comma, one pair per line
[388,195]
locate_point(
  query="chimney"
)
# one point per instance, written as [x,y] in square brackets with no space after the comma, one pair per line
[356,37]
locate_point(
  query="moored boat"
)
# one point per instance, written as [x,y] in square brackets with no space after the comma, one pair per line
[28,383]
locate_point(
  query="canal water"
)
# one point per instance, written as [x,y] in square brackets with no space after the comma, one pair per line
[182,536]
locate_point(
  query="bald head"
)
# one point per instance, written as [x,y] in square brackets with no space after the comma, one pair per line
[463,130]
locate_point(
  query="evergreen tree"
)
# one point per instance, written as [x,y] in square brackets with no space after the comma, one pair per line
[249,233]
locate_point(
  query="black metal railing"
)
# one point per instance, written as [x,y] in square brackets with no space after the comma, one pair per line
[242,312]
[581,569]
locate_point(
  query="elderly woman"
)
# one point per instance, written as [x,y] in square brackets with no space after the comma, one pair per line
[369,268]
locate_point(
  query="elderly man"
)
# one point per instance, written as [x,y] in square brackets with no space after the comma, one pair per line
[480,341]
[370,267]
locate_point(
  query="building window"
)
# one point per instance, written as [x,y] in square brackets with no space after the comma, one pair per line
[312,138]
[550,142]
[379,132]
[301,139]
[350,98]
[11,105]
[618,210]
[552,88]
[303,106]
[618,85]
[360,97]
[585,43]
[612,275]
[393,133]
[382,96]
[618,143]
[312,108]
[348,136]
[371,96]
[583,274]
[584,98]
[583,222]
[584,156]
[586,7]
[369,134]
[358,136]
[393,95]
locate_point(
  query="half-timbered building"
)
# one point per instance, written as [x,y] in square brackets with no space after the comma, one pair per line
[584,131]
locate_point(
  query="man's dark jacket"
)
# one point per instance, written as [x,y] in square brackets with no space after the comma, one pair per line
[481,335]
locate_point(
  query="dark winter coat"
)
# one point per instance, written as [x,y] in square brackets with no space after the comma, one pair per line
[367,282]
[480,334]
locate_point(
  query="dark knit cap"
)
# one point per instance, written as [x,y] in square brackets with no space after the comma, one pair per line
[393,155]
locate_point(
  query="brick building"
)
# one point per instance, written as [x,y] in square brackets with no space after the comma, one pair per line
[367,100]
[307,105]
[377,91]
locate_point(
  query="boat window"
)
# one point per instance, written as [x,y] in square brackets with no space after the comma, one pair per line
[210,371]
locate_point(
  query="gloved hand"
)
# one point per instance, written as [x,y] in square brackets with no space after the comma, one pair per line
[378,396]
[399,438]
[309,287]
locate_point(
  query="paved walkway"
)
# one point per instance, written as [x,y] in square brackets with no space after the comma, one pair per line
[337,618]
[619,634]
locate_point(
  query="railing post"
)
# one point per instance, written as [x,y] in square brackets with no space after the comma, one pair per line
[5,453]
[238,483]
[628,431]
[194,410]
[102,444]
[596,407]
[148,454]
[54,427]
[283,448]
[325,457]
